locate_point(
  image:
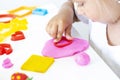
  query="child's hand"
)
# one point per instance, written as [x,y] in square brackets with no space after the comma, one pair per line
[60,24]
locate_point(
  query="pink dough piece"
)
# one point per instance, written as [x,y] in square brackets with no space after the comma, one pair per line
[82,59]
[7,63]
[77,45]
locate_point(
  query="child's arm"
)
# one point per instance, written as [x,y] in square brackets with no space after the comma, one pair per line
[62,22]
[69,7]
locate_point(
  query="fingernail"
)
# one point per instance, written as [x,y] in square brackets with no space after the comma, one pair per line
[55,40]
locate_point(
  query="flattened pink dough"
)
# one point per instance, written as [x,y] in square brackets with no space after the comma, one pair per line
[77,46]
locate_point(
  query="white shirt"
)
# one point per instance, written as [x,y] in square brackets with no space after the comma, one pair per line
[111,54]
[98,39]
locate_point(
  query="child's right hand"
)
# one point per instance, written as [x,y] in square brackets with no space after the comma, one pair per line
[61,24]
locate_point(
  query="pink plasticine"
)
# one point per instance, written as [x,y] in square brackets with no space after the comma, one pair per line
[82,59]
[77,46]
[7,63]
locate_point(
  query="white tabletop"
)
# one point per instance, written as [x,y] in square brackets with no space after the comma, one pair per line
[63,68]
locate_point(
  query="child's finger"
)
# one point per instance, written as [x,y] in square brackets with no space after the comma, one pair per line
[68,32]
[48,27]
[59,32]
[53,31]
[58,38]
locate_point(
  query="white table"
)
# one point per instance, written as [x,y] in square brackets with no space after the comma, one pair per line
[63,68]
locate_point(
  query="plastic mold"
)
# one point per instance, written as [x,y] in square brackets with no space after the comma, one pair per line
[64,42]
[3,17]
[40,11]
[5,49]
[17,36]
[22,11]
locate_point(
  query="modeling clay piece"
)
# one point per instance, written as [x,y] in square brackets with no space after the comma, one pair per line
[7,63]
[22,11]
[40,11]
[17,36]
[4,16]
[82,59]
[20,76]
[37,63]
[5,49]
[77,46]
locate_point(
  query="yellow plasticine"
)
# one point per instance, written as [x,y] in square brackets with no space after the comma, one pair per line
[38,63]
[5,26]
[20,9]
[6,29]
[18,24]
